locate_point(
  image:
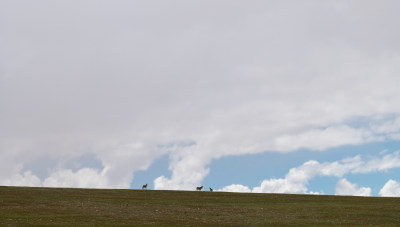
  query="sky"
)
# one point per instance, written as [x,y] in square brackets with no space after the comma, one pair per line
[256,96]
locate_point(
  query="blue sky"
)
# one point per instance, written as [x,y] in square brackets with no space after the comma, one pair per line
[261,96]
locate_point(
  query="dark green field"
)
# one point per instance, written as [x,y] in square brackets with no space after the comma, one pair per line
[23,206]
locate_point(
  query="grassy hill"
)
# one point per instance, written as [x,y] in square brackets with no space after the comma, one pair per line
[89,207]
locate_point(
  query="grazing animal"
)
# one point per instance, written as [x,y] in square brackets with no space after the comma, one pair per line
[144,186]
[199,188]
[211,190]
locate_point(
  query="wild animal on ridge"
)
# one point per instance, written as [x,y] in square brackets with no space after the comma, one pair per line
[144,186]
[199,188]
[211,190]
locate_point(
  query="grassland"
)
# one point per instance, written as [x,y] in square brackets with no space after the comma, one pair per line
[23,206]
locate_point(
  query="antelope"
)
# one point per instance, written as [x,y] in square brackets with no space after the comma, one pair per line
[199,188]
[211,190]
[144,186]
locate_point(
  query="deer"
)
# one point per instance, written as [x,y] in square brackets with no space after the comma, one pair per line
[211,190]
[144,186]
[199,188]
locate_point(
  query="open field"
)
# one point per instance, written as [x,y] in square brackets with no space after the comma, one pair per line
[93,207]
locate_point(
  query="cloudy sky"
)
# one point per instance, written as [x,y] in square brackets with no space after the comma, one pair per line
[248,96]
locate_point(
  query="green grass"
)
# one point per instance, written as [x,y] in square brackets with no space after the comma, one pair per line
[24,206]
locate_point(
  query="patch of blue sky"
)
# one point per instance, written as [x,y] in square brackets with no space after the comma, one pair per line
[250,170]
[158,168]
[365,121]
[323,185]
[41,166]
[183,143]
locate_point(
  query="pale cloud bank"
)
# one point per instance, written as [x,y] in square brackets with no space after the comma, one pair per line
[131,81]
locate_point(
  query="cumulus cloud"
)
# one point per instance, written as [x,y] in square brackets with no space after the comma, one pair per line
[235,188]
[84,178]
[188,166]
[121,79]
[390,189]
[344,187]
[25,179]
[321,139]
[297,179]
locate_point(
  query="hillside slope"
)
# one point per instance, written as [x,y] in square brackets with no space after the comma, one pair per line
[65,206]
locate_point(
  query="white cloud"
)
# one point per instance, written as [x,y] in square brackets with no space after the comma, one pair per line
[384,163]
[118,79]
[321,139]
[344,187]
[297,179]
[25,179]
[281,186]
[390,189]
[188,169]
[84,178]
[235,188]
